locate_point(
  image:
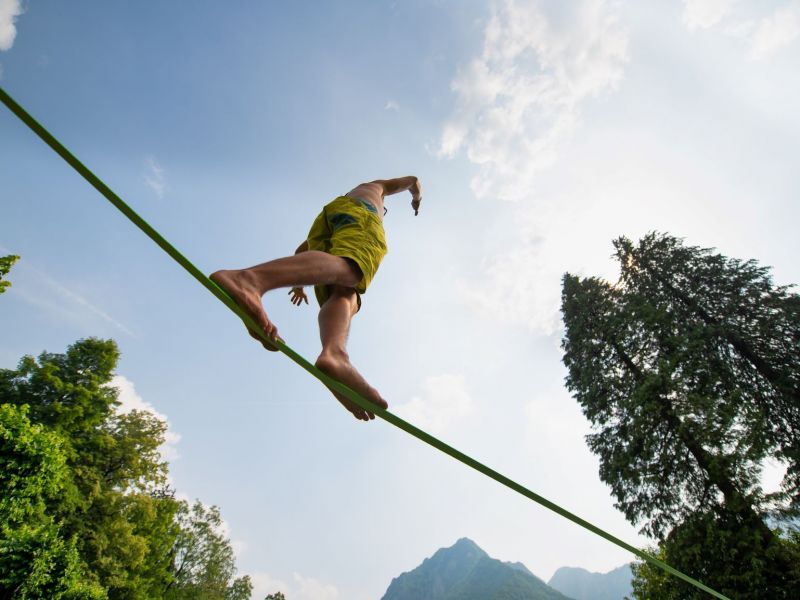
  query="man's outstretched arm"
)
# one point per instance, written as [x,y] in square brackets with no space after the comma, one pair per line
[402,184]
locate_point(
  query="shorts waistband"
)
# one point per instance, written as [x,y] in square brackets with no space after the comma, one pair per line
[368,205]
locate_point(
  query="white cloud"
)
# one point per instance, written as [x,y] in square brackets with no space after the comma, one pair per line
[444,399]
[264,584]
[301,588]
[556,419]
[702,14]
[520,100]
[392,105]
[777,30]
[521,282]
[308,588]
[9,11]
[154,177]
[130,400]
[569,226]
[764,35]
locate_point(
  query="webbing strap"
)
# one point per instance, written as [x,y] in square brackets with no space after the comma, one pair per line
[331,383]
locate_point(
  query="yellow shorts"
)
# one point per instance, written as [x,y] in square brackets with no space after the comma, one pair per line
[349,228]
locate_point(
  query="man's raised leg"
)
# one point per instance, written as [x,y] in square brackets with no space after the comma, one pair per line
[246,286]
[334,326]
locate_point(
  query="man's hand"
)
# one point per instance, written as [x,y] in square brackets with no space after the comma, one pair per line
[416,196]
[298,295]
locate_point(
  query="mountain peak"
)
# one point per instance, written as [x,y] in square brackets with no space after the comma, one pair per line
[465,544]
[583,585]
[465,572]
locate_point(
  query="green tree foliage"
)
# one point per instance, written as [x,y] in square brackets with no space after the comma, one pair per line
[275,596]
[35,559]
[108,455]
[6,263]
[203,558]
[747,328]
[96,503]
[739,565]
[688,369]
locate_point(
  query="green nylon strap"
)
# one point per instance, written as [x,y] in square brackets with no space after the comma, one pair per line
[331,383]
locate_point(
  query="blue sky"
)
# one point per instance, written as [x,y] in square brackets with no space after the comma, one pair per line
[540,131]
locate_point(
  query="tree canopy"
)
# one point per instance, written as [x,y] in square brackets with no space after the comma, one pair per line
[688,369]
[86,512]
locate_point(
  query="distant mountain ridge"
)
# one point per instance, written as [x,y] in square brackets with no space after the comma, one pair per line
[465,572]
[580,584]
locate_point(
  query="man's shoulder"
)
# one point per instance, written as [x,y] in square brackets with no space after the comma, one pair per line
[370,189]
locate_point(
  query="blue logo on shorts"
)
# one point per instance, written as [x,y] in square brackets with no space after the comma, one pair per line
[340,220]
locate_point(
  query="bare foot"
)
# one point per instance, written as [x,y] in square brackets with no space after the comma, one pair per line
[342,370]
[245,294]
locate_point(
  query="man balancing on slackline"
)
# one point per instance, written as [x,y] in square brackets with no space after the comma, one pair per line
[345,245]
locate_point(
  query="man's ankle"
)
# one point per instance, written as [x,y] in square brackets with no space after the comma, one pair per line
[330,355]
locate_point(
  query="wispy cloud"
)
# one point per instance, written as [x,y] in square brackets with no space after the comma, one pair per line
[702,14]
[392,105]
[776,31]
[444,399]
[9,11]
[520,281]
[518,103]
[764,34]
[154,177]
[53,297]
[523,96]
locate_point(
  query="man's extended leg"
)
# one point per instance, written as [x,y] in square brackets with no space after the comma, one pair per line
[334,326]
[246,286]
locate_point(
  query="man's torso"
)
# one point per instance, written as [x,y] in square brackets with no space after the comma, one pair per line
[369,192]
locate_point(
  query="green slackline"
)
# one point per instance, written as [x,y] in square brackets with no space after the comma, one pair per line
[331,383]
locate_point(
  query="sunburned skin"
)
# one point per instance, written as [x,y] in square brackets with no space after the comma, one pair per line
[313,267]
[372,193]
[375,192]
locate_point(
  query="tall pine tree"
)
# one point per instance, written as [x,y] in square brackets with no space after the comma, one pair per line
[688,369]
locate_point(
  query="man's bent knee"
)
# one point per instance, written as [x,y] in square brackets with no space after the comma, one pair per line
[354,274]
[347,293]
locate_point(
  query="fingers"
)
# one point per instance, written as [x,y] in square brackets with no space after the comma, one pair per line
[298,296]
